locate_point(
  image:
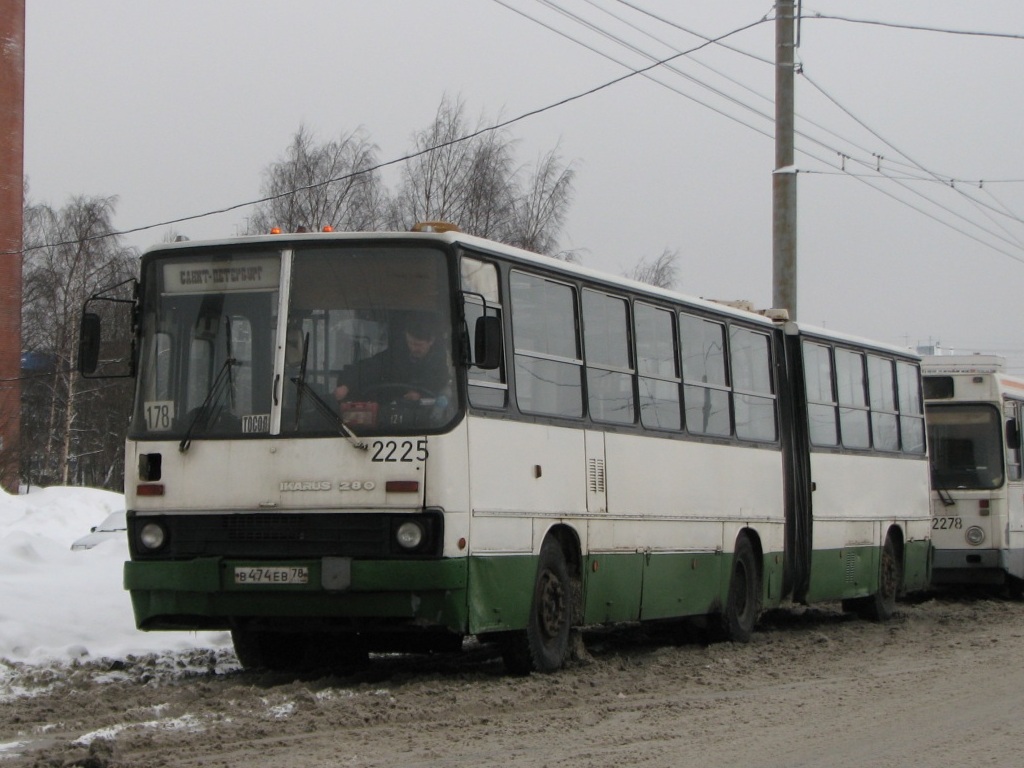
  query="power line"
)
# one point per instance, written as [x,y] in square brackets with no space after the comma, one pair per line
[405,158]
[646,71]
[1007,237]
[814,16]
[648,56]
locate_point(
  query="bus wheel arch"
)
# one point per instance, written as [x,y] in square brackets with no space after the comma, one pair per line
[890,573]
[744,598]
[555,608]
[881,605]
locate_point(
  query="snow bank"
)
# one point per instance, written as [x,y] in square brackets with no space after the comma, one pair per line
[56,604]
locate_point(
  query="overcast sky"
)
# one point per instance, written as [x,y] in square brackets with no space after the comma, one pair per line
[911,161]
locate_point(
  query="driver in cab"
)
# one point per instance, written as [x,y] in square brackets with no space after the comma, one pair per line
[414,369]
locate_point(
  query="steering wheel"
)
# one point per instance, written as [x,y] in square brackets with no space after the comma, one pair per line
[378,391]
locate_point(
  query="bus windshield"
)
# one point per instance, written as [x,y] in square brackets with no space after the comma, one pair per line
[319,341]
[369,340]
[965,444]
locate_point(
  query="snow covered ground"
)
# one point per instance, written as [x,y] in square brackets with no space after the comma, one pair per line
[57,604]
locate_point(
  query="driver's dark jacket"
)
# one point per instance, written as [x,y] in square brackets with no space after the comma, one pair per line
[367,379]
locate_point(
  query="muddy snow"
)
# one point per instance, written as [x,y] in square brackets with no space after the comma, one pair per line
[939,685]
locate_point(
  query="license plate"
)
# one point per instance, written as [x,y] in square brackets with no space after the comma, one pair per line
[272,575]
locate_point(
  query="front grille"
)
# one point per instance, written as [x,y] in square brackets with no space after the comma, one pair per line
[256,535]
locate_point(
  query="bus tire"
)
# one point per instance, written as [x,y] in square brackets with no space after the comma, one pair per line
[882,605]
[743,603]
[544,645]
[261,649]
[1014,587]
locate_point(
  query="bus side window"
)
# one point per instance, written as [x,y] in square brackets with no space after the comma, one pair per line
[910,407]
[753,390]
[882,396]
[548,366]
[821,400]
[854,430]
[657,365]
[705,387]
[609,358]
[487,387]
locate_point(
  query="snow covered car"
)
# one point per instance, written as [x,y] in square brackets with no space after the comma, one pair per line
[112,527]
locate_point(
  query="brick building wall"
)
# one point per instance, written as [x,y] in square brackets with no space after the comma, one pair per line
[12,132]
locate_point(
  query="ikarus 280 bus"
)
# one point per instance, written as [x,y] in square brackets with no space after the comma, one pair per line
[583,450]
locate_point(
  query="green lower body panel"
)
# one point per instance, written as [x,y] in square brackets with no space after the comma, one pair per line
[203,593]
[471,595]
[656,586]
[917,566]
[501,591]
[615,587]
[839,574]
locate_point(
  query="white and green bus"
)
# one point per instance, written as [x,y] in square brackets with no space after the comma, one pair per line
[973,409]
[584,450]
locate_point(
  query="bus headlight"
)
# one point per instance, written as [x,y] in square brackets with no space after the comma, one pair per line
[410,534]
[974,535]
[152,536]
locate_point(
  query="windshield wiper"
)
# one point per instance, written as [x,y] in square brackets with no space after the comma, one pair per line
[321,406]
[944,496]
[202,413]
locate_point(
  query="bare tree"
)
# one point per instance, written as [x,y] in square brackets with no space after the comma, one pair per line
[69,255]
[463,174]
[319,185]
[467,175]
[541,208]
[661,272]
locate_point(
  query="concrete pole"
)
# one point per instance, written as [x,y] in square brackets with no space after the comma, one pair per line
[784,176]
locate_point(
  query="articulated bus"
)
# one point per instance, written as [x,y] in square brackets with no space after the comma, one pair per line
[973,411]
[590,450]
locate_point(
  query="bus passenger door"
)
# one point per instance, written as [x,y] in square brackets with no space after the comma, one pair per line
[597,489]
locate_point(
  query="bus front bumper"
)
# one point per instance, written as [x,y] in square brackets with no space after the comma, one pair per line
[216,593]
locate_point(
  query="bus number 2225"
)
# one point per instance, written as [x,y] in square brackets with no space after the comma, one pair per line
[399,450]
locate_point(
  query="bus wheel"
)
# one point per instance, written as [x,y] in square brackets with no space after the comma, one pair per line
[743,604]
[882,605]
[544,645]
[262,649]
[1014,587]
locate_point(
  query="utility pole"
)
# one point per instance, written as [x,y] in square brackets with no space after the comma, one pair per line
[784,175]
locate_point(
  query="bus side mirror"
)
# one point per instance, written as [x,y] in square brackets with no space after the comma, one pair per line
[89,343]
[1012,434]
[487,342]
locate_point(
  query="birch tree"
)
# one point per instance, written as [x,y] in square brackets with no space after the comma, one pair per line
[316,185]
[70,254]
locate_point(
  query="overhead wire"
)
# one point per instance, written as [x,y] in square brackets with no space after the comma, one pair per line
[645,71]
[1007,237]
[621,63]
[410,156]
[1010,239]
[815,15]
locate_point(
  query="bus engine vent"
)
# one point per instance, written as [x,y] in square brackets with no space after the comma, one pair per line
[595,475]
[851,567]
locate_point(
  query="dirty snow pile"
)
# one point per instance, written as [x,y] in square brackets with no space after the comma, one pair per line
[59,604]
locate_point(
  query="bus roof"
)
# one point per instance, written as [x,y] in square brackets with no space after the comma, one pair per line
[739,309]
[952,364]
